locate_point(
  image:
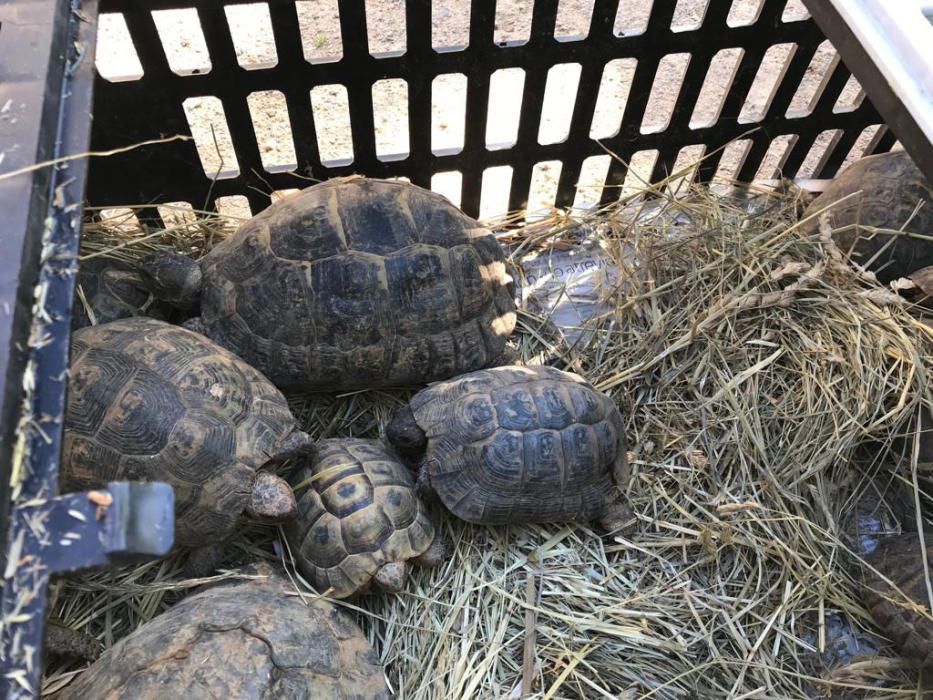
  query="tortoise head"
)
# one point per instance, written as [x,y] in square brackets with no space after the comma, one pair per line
[406,435]
[272,499]
[173,278]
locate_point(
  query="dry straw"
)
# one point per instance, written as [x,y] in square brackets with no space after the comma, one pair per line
[764,384]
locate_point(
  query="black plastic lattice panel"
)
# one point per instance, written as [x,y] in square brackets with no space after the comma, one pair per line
[152,106]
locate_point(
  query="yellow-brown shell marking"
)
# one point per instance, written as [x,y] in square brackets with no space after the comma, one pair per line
[357,511]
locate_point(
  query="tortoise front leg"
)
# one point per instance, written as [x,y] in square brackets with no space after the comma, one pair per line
[434,555]
[423,487]
[272,499]
[392,577]
[64,641]
[203,561]
[618,518]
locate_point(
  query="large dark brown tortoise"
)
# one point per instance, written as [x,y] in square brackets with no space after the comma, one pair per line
[518,445]
[351,283]
[359,521]
[886,191]
[150,401]
[239,640]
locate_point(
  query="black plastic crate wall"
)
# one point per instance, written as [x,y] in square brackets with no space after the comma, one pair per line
[757,75]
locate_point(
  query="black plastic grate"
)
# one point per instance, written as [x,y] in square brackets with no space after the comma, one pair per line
[152,106]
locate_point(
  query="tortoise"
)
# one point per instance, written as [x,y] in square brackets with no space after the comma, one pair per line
[112,289]
[350,283]
[359,520]
[904,620]
[150,401]
[891,187]
[245,639]
[517,445]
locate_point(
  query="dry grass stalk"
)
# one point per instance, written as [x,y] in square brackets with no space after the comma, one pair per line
[764,385]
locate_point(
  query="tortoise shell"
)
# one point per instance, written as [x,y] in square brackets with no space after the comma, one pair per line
[905,621]
[359,283]
[113,289]
[358,512]
[244,640]
[891,187]
[521,444]
[150,401]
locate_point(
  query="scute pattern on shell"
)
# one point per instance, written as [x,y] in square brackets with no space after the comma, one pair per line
[359,514]
[357,282]
[520,444]
[900,560]
[152,401]
[246,640]
[891,186]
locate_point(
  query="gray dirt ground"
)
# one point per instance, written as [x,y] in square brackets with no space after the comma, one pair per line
[252,33]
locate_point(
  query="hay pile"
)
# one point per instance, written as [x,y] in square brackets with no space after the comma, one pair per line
[764,385]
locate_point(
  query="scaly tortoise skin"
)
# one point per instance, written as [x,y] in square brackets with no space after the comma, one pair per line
[113,289]
[891,186]
[242,640]
[359,520]
[352,283]
[518,445]
[899,558]
[150,401]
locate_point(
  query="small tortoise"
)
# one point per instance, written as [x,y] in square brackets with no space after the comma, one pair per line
[518,445]
[906,621]
[351,283]
[149,401]
[890,186]
[359,520]
[111,289]
[242,640]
